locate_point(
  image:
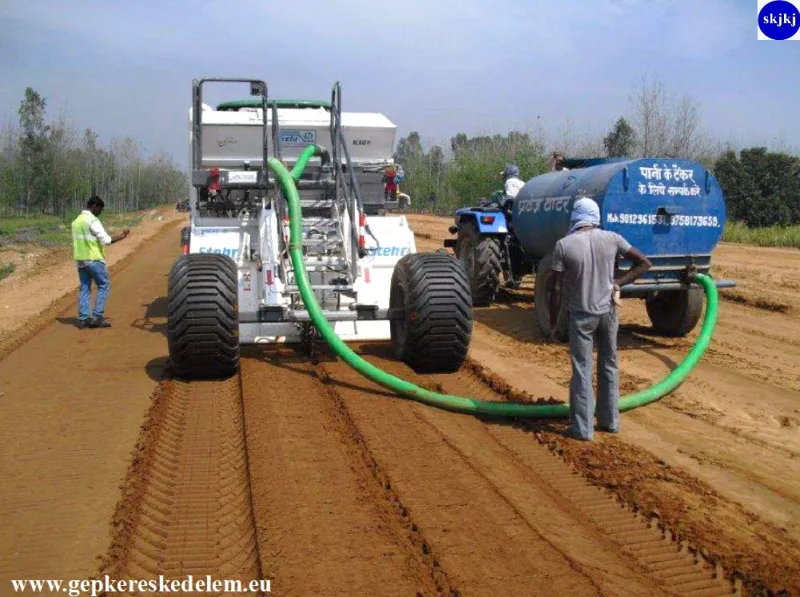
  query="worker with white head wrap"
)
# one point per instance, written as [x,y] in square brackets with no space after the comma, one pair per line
[583,262]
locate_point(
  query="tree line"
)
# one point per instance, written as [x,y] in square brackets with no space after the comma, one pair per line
[761,187]
[50,168]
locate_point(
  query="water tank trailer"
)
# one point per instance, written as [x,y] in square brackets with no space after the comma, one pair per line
[672,210]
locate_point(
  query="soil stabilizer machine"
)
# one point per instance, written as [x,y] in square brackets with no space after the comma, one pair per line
[241,277]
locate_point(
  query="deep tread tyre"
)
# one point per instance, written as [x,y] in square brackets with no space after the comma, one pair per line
[203,319]
[480,256]
[675,314]
[433,291]
[541,291]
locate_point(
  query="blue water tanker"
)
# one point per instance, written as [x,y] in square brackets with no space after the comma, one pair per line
[671,210]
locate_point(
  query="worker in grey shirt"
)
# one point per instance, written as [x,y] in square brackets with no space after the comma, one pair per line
[584,262]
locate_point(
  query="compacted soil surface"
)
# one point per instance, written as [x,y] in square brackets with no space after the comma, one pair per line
[300,471]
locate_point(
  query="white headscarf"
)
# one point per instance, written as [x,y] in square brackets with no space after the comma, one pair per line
[585,212]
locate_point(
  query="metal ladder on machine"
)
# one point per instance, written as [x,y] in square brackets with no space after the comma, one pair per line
[330,257]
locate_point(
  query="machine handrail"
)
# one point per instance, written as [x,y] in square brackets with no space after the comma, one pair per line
[354,203]
[197,118]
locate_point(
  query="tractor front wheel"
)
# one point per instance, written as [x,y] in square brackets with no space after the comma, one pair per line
[480,256]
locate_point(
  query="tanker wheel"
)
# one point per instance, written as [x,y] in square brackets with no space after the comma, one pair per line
[675,314]
[541,291]
[203,321]
[480,256]
[432,292]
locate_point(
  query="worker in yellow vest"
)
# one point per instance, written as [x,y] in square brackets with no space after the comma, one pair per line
[88,240]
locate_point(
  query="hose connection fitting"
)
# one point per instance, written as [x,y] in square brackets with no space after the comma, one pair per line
[689,274]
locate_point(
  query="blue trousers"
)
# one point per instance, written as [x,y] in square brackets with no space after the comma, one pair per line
[93,271]
[582,330]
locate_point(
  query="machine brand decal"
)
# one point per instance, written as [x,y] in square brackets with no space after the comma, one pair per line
[298,138]
[227,141]
[212,231]
[233,253]
[387,252]
[544,204]
[238,176]
[663,220]
[361,142]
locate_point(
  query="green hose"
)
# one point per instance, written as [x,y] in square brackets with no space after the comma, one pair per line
[458,403]
[302,161]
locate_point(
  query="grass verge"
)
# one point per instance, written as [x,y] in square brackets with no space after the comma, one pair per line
[52,231]
[772,236]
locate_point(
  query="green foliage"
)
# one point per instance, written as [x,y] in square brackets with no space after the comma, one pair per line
[761,188]
[6,270]
[478,162]
[770,236]
[54,230]
[48,168]
[621,140]
[472,173]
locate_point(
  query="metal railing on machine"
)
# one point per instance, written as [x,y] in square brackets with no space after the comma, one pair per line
[349,186]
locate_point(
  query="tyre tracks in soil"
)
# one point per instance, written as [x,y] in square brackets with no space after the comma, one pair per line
[316,479]
[187,507]
[329,519]
[358,492]
[710,459]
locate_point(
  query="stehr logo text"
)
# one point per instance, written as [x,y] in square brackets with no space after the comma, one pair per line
[232,253]
[388,251]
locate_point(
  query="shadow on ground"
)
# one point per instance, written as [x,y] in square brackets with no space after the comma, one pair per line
[155,317]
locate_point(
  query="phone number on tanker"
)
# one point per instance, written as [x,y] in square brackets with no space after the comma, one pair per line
[663,220]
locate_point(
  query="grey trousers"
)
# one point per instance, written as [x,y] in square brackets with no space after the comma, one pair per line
[582,329]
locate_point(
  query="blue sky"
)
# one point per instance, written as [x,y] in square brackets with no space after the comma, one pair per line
[124,68]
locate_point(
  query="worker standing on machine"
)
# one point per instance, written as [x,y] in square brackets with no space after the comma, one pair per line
[583,261]
[88,238]
[390,184]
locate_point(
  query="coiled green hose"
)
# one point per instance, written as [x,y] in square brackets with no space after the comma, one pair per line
[458,403]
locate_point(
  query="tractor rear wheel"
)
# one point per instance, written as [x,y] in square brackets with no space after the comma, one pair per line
[675,314]
[541,291]
[203,321]
[432,291]
[480,256]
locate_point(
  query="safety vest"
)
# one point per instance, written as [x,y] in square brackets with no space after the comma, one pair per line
[85,245]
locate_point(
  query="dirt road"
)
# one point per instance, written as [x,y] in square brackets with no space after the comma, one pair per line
[301,472]
[733,424]
[71,407]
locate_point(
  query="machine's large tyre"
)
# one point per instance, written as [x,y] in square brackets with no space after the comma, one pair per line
[541,291]
[480,256]
[203,319]
[433,291]
[675,314]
